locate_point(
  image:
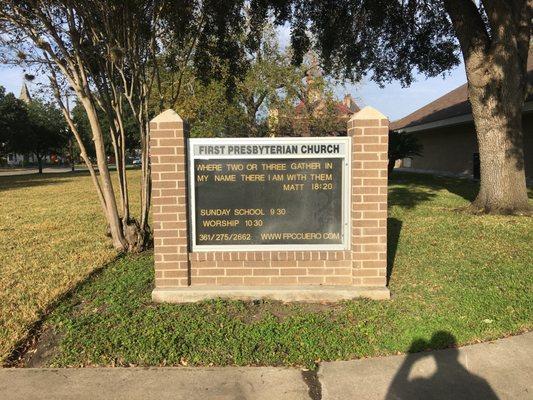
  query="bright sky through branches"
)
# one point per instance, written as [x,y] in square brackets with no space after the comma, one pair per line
[393,100]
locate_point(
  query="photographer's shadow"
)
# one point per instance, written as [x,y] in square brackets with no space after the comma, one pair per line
[450,380]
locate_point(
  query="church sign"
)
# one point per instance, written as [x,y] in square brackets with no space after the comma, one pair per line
[266,194]
[291,219]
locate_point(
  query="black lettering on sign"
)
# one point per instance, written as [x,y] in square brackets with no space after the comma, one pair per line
[268,201]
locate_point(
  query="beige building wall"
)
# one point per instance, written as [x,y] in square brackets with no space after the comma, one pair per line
[451,149]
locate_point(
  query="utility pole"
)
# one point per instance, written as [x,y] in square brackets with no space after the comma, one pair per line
[71,151]
[70,145]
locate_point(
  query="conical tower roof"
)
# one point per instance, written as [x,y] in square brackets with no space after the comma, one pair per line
[25,93]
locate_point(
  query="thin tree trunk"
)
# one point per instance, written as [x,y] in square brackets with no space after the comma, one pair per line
[40,163]
[115,226]
[114,141]
[121,161]
[390,166]
[122,171]
[71,151]
[146,181]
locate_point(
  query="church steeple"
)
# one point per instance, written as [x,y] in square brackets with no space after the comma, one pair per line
[25,94]
[311,76]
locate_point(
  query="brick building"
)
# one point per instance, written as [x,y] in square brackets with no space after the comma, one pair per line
[317,113]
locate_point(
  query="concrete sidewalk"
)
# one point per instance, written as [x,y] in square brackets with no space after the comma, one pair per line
[498,370]
[152,383]
[502,369]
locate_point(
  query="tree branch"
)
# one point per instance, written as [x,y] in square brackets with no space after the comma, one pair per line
[473,38]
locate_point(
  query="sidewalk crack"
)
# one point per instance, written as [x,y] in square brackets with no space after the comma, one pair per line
[314,387]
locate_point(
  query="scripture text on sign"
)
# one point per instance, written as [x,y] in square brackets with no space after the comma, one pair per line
[269,193]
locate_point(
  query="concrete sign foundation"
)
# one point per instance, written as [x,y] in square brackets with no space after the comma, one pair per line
[294,219]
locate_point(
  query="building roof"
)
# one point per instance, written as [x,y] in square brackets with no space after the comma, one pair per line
[340,107]
[452,104]
[344,109]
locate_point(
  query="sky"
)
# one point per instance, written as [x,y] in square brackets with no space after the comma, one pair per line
[396,102]
[392,100]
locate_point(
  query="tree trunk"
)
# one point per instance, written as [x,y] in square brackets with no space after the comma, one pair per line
[390,166]
[40,164]
[495,47]
[146,180]
[71,151]
[113,133]
[498,119]
[112,216]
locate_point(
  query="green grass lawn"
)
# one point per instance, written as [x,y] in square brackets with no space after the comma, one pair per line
[52,235]
[450,271]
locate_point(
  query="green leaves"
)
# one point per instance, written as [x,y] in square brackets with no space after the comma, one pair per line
[388,39]
[36,127]
[403,144]
[13,118]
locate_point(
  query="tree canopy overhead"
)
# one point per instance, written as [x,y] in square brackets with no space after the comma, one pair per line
[388,39]
[392,39]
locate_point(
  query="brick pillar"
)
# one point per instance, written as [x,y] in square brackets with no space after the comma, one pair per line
[168,135]
[369,130]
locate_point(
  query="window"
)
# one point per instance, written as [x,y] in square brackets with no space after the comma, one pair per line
[407,162]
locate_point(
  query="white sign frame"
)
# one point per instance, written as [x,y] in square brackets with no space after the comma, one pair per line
[344,141]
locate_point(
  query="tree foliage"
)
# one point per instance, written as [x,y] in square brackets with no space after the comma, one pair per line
[306,106]
[13,121]
[403,145]
[36,128]
[79,117]
[268,75]
[391,40]
[269,83]
[387,39]
[209,111]
[111,55]
[47,131]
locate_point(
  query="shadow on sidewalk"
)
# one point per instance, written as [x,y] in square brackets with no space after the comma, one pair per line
[450,380]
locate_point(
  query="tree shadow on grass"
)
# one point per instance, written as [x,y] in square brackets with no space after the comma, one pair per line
[412,192]
[408,197]
[33,180]
[18,356]
[450,380]
[394,226]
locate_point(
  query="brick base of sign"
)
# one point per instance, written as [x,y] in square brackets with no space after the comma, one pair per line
[271,268]
[302,293]
[185,276]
